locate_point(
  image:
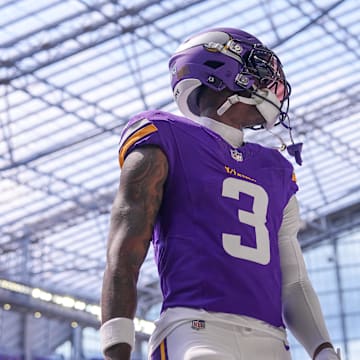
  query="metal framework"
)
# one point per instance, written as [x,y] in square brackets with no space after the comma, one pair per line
[72,73]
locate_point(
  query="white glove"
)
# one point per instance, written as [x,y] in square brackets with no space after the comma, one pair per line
[327,354]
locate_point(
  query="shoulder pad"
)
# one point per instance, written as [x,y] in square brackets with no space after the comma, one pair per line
[143,124]
[140,126]
[152,115]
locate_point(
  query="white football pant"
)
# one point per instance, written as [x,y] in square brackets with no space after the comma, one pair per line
[214,341]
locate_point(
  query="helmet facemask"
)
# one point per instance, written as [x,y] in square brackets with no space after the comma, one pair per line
[267,70]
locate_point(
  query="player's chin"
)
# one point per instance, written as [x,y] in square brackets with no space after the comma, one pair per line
[257,120]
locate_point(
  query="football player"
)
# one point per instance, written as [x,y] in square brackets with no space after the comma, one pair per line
[221,214]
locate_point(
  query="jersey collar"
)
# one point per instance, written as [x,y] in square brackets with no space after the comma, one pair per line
[231,135]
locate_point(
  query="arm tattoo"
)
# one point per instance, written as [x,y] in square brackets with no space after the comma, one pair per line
[132,219]
[142,184]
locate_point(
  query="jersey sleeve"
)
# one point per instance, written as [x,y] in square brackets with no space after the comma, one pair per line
[145,128]
[292,187]
[289,186]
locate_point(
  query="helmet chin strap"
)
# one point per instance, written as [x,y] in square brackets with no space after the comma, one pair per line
[269,107]
[265,101]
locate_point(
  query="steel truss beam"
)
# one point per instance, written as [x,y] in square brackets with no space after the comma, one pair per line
[334,34]
[329,226]
[14,64]
[310,23]
[100,204]
[22,303]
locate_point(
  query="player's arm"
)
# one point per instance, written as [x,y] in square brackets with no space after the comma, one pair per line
[301,308]
[132,218]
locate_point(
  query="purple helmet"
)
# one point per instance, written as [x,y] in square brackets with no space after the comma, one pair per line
[223,58]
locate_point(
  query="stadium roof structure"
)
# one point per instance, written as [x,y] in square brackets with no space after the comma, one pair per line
[73,72]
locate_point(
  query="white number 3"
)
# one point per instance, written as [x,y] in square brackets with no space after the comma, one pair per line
[232,243]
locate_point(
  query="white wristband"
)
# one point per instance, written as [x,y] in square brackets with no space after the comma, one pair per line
[116,331]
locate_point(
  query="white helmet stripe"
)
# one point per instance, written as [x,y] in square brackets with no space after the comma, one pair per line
[182,91]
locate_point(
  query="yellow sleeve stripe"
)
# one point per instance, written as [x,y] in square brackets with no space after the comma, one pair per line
[293,177]
[132,140]
[129,131]
[162,351]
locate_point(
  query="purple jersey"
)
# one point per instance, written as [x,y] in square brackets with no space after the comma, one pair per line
[216,234]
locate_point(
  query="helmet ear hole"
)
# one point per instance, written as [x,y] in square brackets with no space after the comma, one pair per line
[194,99]
[198,93]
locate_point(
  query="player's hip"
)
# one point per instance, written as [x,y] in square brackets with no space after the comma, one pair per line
[183,333]
[197,340]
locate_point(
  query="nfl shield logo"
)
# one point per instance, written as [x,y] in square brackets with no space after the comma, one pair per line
[236,155]
[198,324]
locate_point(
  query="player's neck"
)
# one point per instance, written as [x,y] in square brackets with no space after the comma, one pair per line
[231,135]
